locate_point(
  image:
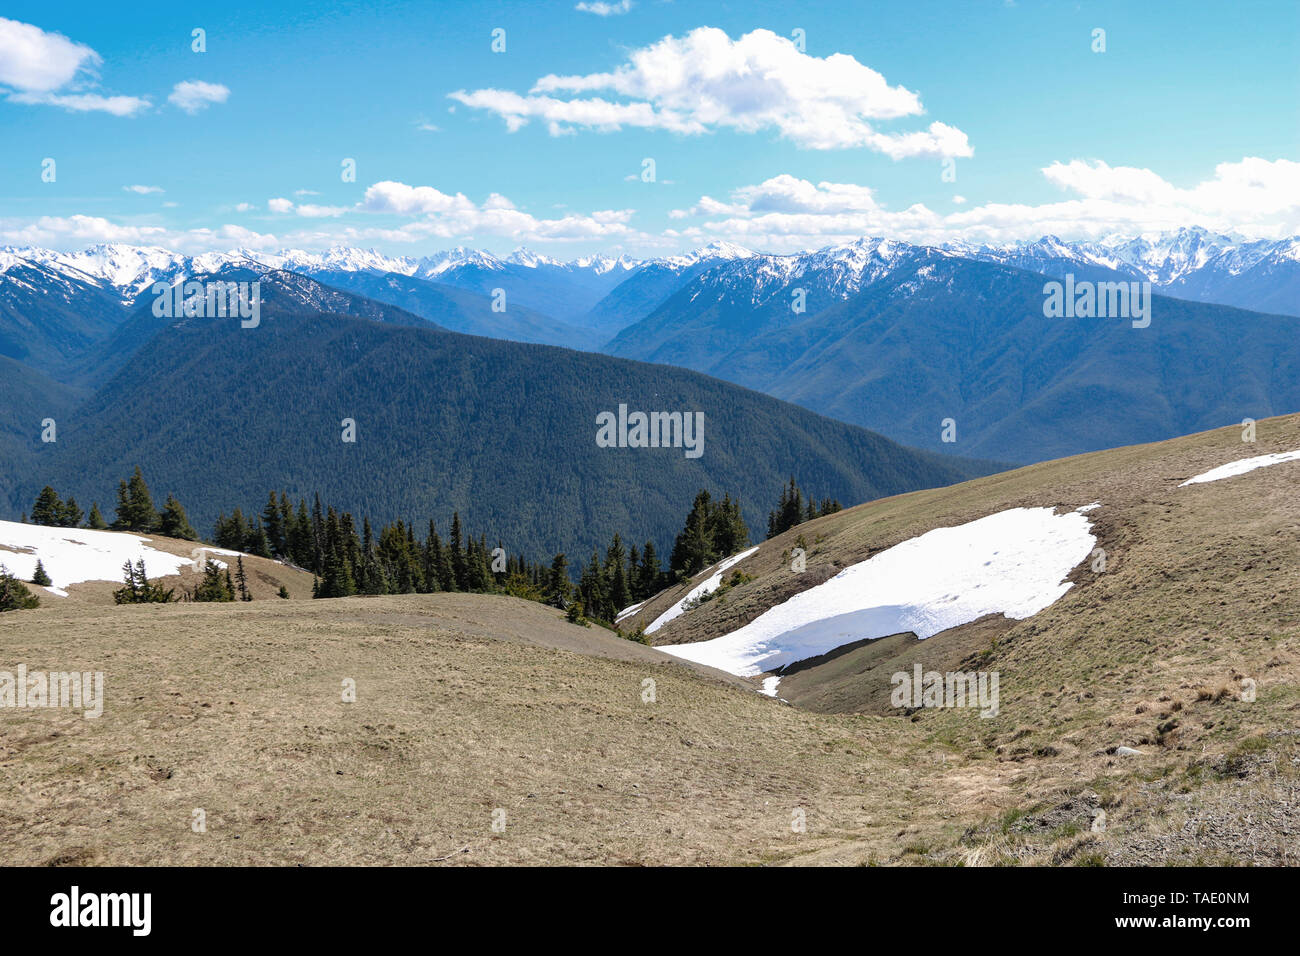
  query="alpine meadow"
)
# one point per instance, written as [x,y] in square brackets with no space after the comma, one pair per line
[636,434]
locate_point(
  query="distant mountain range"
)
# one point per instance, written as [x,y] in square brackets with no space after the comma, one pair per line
[503,432]
[886,334]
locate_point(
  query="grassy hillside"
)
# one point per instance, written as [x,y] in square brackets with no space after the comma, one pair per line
[470,704]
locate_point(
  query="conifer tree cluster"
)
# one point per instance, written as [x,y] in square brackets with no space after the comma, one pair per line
[791,510]
[135,512]
[625,577]
[214,586]
[50,511]
[138,589]
[714,530]
[349,559]
[346,559]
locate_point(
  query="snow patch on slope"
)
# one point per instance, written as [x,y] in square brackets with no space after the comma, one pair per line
[1013,562]
[711,583]
[73,555]
[1234,468]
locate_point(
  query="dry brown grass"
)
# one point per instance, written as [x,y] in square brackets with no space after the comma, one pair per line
[468,704]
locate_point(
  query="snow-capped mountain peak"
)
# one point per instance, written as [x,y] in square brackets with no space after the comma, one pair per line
[525,257]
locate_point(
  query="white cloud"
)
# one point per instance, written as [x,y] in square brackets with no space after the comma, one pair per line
[195,95]
[243,207]
[706,81]
[442,215]
[78,231]
[85,102]
[37,67]
[1255,197]
[143,190]
[40,62]
[602,9]
[307,210]
[320,212]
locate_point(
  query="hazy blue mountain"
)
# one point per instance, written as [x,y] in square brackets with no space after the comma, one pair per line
[504,432]
[457,309]
[952,338]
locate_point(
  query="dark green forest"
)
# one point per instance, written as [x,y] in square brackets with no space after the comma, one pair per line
[502,433]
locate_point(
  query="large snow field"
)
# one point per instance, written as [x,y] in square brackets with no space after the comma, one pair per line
[1013,563]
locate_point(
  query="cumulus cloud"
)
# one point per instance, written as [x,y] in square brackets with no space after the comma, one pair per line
[41,68]
[307,210]
[143,190]
[444,215]
[602,9]
[705,81]
[195,95]
[1255,197]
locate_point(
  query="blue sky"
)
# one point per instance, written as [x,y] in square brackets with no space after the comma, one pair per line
[1188,116]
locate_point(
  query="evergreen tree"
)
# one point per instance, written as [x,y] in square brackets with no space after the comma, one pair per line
[273,522]
[301,548]
[69,514]
[48,509]
[459,568]
[123,513]
[255,541]
[591,588]
[39,576]
[140,514]
[727,529]
[616,576]
[213,586]
[558,586]
[433,559]
[789,511]
[14,595]
[574,613]
[96,520]
[317,564]
[336,578]
[232,532]
[648,583]
[138,589]
[242,579]
[173,523]
[693,550]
